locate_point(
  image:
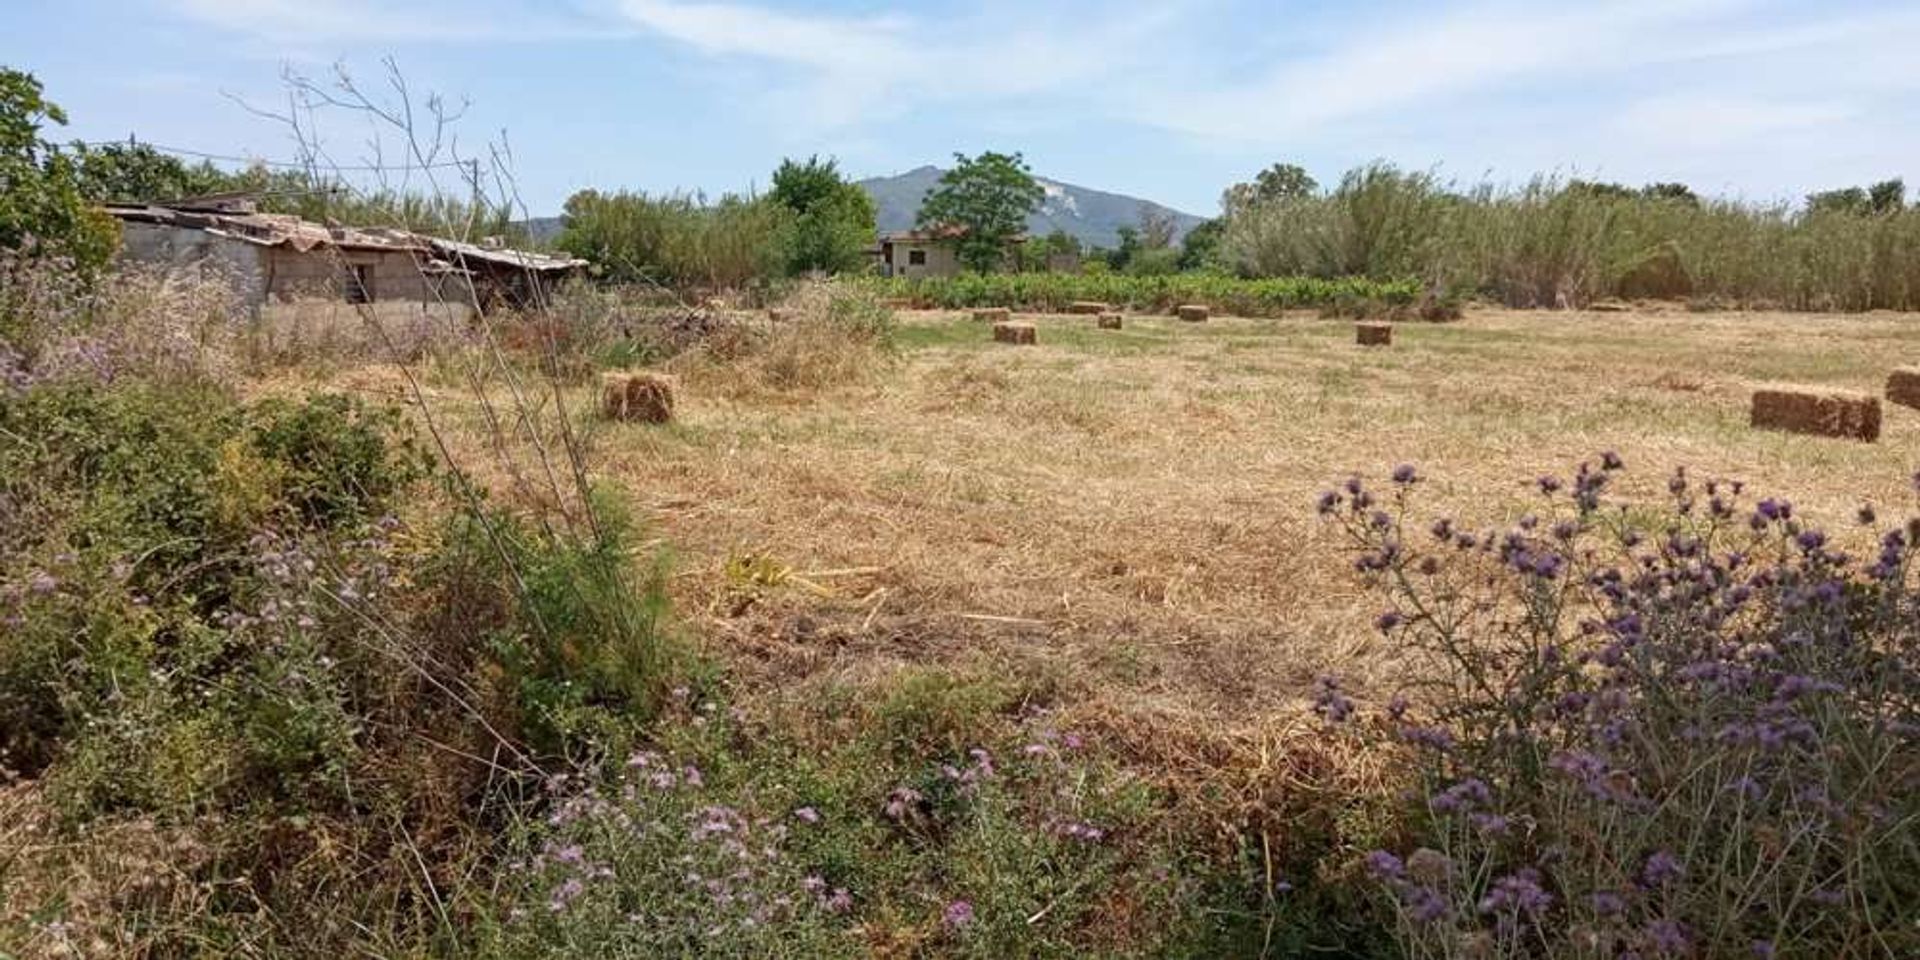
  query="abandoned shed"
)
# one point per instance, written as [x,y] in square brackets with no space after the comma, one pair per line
[283,260]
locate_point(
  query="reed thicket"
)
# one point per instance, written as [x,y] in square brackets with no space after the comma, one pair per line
[1557,242]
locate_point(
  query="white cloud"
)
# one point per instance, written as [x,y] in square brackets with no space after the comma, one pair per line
[305,22]
[857,69]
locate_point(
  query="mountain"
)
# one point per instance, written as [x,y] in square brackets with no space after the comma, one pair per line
[1094,216]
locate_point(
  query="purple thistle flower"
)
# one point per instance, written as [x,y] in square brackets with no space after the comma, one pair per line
[1661,868]
[1405,474]
[1424,903]
[1763,949]
[1329,702]
[1327,503]
[1670,938]
[1610,460]
[1517,892]
[1607,903]
[1389,620]
[1548,484]
[1464,795]
[1385,865]
[958,914]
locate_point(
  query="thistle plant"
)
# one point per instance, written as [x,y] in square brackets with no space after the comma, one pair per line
[1686,736]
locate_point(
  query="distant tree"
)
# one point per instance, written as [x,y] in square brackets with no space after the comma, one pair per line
[1887,196]
[1675,192]
[137,173]
[1129,247]
[987,198]
[1062,243]
[40,195]
[1602,190]
[1282,181]
[833,218]
[1847,200]
[1156,227]
[1201,246]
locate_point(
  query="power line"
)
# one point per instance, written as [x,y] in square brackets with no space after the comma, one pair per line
[284,164]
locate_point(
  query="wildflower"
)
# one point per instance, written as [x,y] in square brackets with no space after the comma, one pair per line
[1385,865]
[840,901]
[807,815]
[691,775]
[1424,904]
[1438,739]
[1661,868]
[814,884]
[1607,903]
[1610,460]
[42,583]
[1866,515]
[1517,892]
[1329,702]
[1763,949]
[958,914]
[1548,484]
[1389,620]
[1463,795]
[1669,937]
[1329,500]
[901,801]
[564,894]
[1072,741]
[1405,474]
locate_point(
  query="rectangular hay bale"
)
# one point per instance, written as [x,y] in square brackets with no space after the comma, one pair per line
[1820,412]
[1903,386]
[1087,307]
[1373,334]
[1192,312]
[636,397]
[1111,321]
[1014,333]
[993,314]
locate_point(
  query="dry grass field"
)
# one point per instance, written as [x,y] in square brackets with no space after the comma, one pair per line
[1128,513]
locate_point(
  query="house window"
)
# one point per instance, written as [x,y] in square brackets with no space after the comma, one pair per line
[916,258]
[357,283]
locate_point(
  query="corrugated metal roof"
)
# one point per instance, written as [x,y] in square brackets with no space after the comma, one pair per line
[279,229]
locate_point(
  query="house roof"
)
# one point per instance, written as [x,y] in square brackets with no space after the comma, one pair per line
[935,234]
[239,222]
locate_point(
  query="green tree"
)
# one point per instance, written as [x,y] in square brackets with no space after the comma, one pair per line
[833,218]
[40,196]
[1887,196]
[1847,200]
[986,199]
[137,173]
[1201,246]
[1282,181]
[1674,192]
[1157,227]
[1130,246]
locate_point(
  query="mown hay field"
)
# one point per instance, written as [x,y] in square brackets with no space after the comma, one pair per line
[1130,512]
[1126,516]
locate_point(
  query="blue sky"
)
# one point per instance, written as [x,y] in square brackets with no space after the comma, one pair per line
[1166,99]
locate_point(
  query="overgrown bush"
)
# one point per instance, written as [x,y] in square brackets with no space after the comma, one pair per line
[141,322]
[1689,734]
